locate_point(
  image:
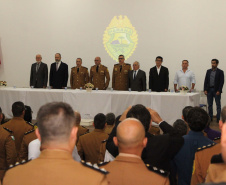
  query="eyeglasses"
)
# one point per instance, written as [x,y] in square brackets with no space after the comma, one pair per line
[120,58]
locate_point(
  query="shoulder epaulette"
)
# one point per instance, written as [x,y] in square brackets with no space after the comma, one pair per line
[204,147]
[18,163]
[116,64]
[104,141]
[103,163]
[8,130]
[72,67]
[84,67]
[216,138]
[28,132]
[94,167]
[157,170]
[128,64]
[29,123]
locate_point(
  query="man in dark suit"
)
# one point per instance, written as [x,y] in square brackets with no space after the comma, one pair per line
[213,85]
[137,78]
[58,73]
[159,77]
[39,73]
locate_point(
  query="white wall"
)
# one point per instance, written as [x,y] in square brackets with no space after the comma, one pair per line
[174,29]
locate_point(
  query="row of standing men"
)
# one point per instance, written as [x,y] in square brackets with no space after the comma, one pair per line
[123,77]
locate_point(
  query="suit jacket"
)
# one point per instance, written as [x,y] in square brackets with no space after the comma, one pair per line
[54,167]
[160,150]
[218,83]
[39,79]
[139,83]
[158,82]
[122,170]
[58,79]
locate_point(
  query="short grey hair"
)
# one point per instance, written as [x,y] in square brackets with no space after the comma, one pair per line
[137,63]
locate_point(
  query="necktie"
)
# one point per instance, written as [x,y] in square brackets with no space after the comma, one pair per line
[134,74]
[57,63]
[97,69]
[77,70]
[120,68]
[37,67]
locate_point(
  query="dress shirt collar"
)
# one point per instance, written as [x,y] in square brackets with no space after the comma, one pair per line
[193,133]
[185,71]
[136,71]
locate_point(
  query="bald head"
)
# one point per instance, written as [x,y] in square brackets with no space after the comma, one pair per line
[97,60]
[130,136]
[77,118]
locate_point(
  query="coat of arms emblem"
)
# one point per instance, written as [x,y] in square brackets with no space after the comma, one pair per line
[120,37]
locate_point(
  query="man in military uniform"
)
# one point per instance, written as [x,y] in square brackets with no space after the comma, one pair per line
[17,125]
[7,149]
[28,137]
[98,73]
[79,75]
[120,75]
[89,144]
[131,141]
[81,130]
[57,130]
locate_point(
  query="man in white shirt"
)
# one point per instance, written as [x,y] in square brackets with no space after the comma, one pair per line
[184,77]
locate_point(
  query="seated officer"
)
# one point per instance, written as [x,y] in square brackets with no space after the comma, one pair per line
[57,132]
[128,167]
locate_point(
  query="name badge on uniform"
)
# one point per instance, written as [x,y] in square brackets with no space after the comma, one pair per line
[115,69]
[126,71]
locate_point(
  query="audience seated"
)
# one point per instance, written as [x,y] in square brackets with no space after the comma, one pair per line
[89,144]
[128,167]
[17,125]
[110,120]
[197,119]
[7,149]
[160,149]
[58,132]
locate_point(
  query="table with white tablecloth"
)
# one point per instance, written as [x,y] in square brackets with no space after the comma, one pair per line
[169,105]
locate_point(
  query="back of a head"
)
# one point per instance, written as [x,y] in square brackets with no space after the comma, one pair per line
[28,114]
[18,108]
[130,133]
[55,122]
[197,119]
[142,114]
[110,119]
[99,121]
[223,114]
[181,127]
[78,117]
[185,112]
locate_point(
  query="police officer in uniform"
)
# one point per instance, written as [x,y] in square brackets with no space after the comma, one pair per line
[7,149]
[98,73]
[79,75]
[120,75]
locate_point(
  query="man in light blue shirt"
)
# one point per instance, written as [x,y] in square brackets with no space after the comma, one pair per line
[184,77]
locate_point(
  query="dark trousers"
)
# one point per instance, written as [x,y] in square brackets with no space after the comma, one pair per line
[210,95]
